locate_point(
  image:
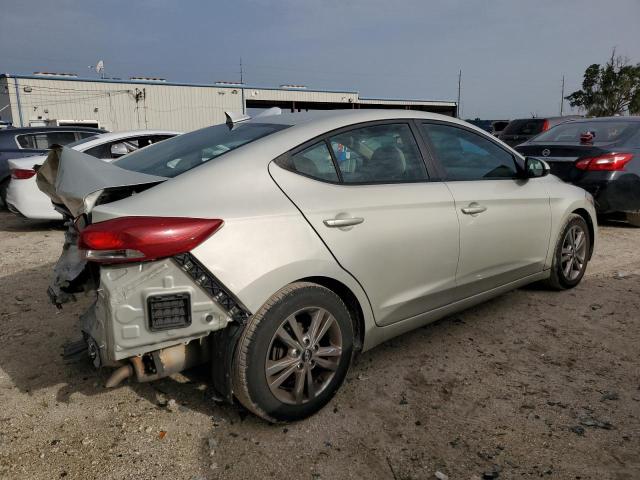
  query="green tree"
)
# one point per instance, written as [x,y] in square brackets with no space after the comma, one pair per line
[609,89]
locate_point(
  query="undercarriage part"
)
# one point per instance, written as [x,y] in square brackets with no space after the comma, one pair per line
[223,347]
[214,288]
[73,349]
[119,376]
[162,363]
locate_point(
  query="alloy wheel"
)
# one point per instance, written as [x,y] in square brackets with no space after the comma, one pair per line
[573,253]
[303,355]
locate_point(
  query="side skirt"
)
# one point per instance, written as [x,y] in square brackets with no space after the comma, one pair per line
[380,334]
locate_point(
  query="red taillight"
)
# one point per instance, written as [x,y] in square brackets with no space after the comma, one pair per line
[137,239]
[545,125]
[22,173]
[608,162]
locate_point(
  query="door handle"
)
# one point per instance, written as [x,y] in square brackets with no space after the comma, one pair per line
[473,209]
[343,222]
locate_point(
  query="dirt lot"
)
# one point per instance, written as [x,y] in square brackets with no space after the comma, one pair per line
[532,384]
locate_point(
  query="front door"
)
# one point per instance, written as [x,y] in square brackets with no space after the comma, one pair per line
[505,221]
[383,220]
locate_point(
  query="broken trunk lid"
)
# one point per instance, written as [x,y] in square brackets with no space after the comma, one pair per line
[76,180]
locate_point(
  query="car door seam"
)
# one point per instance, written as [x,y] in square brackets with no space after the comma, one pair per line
[322,240]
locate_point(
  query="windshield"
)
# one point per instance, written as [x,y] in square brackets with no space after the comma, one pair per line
[529,126]
[603,132]
[184,152]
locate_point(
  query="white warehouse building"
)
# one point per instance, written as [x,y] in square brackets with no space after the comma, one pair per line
[147,103]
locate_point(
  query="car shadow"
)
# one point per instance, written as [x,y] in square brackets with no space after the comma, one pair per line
[611,222]
[10,222]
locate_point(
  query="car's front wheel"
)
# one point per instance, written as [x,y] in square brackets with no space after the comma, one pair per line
[571,254]
[294,353]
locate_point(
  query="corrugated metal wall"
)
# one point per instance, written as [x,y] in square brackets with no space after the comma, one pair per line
[125,106]
[130,105]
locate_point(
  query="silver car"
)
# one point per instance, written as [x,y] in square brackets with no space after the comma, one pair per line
[277,248]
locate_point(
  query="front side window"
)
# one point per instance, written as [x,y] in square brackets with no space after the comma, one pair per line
[378,154]
[465,155]
[315,162]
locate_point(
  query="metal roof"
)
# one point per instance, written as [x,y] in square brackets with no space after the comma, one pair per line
[176,84]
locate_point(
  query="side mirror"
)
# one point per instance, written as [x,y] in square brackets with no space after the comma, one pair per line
[118,150]
[535,168]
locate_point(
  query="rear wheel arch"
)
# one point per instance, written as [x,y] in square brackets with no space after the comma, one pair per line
[350,300]
[587,218]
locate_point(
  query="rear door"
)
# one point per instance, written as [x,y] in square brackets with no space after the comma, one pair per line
[505,221]
[366,192]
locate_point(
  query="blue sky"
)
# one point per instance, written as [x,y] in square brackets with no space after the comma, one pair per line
[512,53]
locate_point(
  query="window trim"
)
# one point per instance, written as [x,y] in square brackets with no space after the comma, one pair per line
[46,132]
[284,160]
[442,171]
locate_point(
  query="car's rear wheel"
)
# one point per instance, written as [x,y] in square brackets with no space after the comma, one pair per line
[634,219]
[4,185]
[294,353]
[571,254]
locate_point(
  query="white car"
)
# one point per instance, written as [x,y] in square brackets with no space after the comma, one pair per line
[23,196]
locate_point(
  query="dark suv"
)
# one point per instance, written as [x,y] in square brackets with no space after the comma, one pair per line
[24,142]
[522,129]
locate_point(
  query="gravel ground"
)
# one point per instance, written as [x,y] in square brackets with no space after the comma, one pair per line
[532,384]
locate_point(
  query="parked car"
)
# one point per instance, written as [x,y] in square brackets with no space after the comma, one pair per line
[23,196]
[601,155]
[279,247]
[522,129]
[497,126]
[28,141]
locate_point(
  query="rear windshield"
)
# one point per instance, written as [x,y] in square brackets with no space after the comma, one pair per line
[184,152]
[529,126]
[603,132]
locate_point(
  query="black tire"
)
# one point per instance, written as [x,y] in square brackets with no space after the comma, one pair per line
[634,219]
[4,185]
[558,279]
[250,383]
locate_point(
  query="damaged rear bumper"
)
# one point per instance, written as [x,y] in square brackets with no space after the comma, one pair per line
[120,321]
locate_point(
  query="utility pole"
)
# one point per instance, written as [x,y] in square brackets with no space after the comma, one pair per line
[242,87]
[459,90]
[562,97]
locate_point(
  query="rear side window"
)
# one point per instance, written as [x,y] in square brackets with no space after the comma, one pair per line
[315,162]
[465,155]
[378,154]
[43,141]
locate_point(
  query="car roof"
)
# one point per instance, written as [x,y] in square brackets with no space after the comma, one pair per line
[111,136]
[22,130]
[327,120]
